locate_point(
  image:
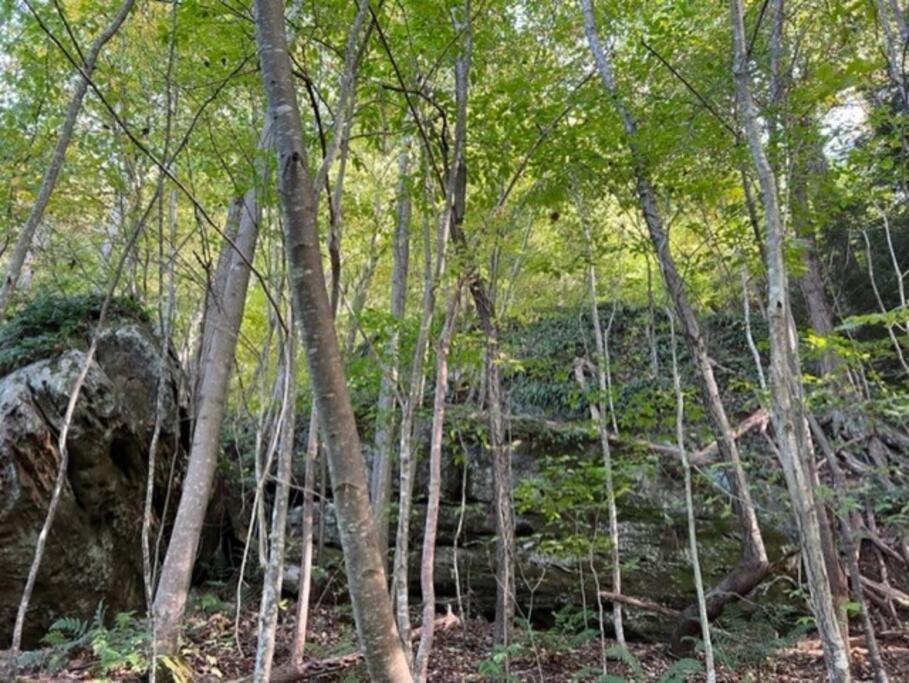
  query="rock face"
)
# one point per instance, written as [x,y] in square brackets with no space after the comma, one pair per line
[551,575]
[93,551]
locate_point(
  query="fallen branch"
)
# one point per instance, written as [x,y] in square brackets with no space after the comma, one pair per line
[641,604]
[705,455]
[887,591]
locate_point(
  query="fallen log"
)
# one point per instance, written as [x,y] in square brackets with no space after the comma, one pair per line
[641,604]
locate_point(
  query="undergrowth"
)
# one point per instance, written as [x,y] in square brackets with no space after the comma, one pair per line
[51,324]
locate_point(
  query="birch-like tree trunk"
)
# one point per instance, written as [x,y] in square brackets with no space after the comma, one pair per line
[432,274]
[754,565]
[211,306]
[787,394]
[703,617]
[52,172]
[380,485]
[480,292]
[599,410]
[364,567]
[427,574]
[274,571]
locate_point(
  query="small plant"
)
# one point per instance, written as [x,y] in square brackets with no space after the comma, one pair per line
[681,671]
[118,649]
[745,638]
[622,654]
[495,665]
[123,647]
[65,635]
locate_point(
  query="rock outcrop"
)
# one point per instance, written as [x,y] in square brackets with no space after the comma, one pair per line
[550,574]
[93,553]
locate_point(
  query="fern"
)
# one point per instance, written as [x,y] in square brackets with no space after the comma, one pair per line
[621,654]
[681,670]
[64,631]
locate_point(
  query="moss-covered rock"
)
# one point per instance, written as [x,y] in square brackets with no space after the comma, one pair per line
[49,325]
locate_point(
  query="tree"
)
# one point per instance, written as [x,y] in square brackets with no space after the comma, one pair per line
[365,573]
[173,586]
[789,417]
[49,181]
[754,566]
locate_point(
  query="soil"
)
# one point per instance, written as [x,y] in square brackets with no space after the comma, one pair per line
[218,648]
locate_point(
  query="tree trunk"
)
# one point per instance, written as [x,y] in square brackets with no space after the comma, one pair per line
[271,592]
[216,285]
[173,588]
[789,416]
[364,567]
[380,488]
[598,410]
[703,616]
[486,312]
[432,274]
[754,565]
[309,507]
[427,575]
[49,181]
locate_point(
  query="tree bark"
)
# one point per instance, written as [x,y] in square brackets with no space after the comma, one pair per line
[364,567]
[788,413]
[49,181]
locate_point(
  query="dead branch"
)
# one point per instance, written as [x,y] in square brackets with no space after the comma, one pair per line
[641,604]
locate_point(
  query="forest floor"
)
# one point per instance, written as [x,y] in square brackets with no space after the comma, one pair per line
[218,648]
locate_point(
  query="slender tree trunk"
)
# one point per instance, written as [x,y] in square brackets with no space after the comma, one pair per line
[212,304]
[689,507]
[427,573]
[271,592]
[381,469]
[365,572]
[754,565]
[52,172]
[432,274]
[599,409]
[173,588]
[789,415]
[309,508]
[479,290]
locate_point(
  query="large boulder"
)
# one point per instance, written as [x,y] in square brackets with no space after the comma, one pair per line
[93,552]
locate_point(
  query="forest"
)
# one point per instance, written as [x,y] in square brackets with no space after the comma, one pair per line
[454,340]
